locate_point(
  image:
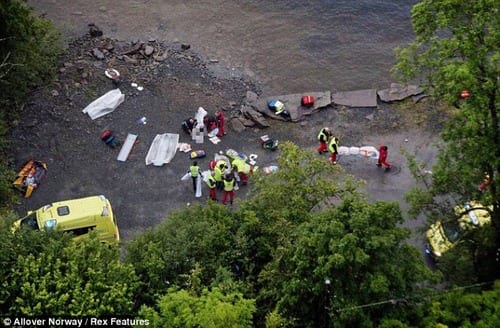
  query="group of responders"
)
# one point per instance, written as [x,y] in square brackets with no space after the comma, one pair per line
[73,322]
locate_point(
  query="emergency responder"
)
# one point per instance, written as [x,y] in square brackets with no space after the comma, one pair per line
[211,183]
[333,147]
[195,172]
[323,137]
[229,183]
[382,158]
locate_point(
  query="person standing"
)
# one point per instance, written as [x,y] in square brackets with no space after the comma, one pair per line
[229,183]
[382,157]
[219,168]
[212,193]
[219,118]
[195,172]
[323,137]
[333,147]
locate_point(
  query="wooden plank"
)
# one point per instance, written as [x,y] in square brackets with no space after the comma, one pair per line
[127,147]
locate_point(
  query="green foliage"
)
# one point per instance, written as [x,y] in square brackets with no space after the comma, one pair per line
[7,176]
[460,309]
[211,308]
[194,236]
[280,202]
[457,48]
[361,251]
[29,49]
[49,274]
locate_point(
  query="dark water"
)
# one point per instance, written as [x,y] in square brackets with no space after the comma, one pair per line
[290,46]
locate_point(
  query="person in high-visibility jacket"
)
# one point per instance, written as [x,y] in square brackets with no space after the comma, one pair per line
[242,169]
[333,147]
[211,183]
[194,170]
[229,183]
[323,137]
[219,168]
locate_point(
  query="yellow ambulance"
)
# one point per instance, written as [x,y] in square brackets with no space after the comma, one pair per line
[444,235]
[77,216]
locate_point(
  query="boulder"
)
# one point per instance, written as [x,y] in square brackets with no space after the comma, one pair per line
[399,92]
[357,98]
[250,113]
[251,97]
[237,125]
[246,122]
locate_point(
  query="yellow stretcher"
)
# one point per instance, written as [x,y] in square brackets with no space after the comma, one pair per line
[30,176]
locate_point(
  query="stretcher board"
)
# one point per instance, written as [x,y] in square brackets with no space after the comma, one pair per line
[198,187]
[127,147]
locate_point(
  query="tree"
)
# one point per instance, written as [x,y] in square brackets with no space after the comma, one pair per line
[219,305]
[179,308]
[310,226]
[464,309]
[50,274]
[29,49]
[194,236]
[285,199]
[456,49]
[342,259]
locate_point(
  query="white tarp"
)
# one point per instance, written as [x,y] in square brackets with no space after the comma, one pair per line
[162,149]
[104,104]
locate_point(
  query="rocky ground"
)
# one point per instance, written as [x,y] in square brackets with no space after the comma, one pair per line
[176,82]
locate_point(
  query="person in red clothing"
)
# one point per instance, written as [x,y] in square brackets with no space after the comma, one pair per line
[382,157]
[219,118]
[229,183]
[485,183]
[333,147]
[323,138]
[211,183]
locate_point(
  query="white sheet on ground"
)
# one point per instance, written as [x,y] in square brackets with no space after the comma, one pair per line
[162,149]
[104,104]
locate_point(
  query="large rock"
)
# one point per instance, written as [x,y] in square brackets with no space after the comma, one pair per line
[250,113]
[357,98]
[237,125]
[251,97]
[398,92]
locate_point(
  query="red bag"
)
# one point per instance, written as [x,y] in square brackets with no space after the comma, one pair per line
[307,101]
